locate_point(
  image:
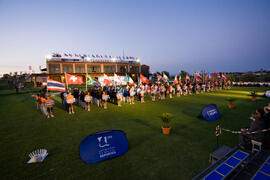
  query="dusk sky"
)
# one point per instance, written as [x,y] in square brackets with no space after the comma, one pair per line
[223,36]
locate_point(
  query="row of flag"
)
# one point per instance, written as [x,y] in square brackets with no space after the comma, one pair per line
[53,85]
[73,79]
[93,56]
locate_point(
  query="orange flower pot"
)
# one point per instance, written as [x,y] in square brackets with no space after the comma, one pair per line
[231,106]
[166,130]
[253,99]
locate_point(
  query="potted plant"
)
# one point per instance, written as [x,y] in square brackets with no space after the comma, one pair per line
[254,95]
[231,105]
[166,118]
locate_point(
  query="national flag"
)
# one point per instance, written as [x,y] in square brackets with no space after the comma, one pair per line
[208,77]
[73,79]
[165,77]
[107,81]
[218,75]
[65,54]
[106,56]
[130,80]
[144,79]
[91,81]
[93,56]
[198,76]
[175,80]
[159,77]
[70,55]
[214,75]
[223,76]
[76,55]
[53,85]
[116,79]
[187,77]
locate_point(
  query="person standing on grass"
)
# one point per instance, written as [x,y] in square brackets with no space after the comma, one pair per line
[49,104]
[153,93]
[70,101]
[142,92]
[104,99]
[38,101]
[42,104]
[170,91]
[132,93]
[118,96]
[87,99]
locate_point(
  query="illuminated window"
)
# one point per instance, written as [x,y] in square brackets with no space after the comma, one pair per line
[80,69]
[109,68]
[54,68]
[122,69]
[93,69]
[67,68]
[134,69]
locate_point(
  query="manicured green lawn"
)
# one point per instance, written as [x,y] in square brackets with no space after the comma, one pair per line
[151,155]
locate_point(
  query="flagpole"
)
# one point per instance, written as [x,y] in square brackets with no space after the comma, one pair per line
[66,81]
[86,82]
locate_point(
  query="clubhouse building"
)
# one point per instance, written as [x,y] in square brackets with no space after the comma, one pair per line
[96,66]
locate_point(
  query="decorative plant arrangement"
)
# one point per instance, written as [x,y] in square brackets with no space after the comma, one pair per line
[253,95]
[166,118]
[231,104]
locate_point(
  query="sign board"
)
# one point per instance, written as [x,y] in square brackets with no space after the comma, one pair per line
[103,145]
[210,112]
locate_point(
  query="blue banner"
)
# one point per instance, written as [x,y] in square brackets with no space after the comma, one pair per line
[210,112]
[103,145]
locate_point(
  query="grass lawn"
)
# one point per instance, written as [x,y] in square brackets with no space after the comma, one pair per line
[151,155]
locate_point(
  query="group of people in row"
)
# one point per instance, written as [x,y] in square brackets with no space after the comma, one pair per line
[45,104]
[259,129]
[100,96]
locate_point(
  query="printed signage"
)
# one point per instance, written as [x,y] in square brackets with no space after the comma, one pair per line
[210,112]
[103,145]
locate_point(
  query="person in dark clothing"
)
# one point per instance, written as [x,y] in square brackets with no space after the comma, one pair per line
[258,124]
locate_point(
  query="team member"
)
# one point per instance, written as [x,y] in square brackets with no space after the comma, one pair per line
[178,90]
[105,98]
[118,96]
[170,91]
[132,93]
[38,100]
[153,93]
[142,95]
[88,99]
[49,105]
[70,101]
[42,105]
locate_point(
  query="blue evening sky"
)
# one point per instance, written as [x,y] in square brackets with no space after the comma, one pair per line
[218,35]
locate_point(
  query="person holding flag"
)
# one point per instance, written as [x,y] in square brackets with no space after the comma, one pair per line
[175,80]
